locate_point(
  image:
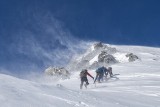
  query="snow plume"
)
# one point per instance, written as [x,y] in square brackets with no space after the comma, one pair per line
[42,41]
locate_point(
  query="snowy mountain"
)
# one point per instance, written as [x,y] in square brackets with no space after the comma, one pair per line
[100,54]
[137,85]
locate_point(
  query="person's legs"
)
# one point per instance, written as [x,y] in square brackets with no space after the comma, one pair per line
[82,81]
[87,83]
[96,77]
[110,73]
[100,77]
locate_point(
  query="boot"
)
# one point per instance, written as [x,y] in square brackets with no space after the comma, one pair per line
[85,85]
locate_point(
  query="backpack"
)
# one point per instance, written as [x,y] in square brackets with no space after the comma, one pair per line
[82,73]
[100,70]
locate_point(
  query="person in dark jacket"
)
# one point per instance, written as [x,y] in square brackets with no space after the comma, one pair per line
[83,76]
[109,71]
[100,73]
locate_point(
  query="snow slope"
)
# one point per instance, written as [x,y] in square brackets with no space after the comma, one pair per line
[137,86]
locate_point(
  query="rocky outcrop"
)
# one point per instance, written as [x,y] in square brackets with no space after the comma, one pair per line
[100,54]
[104,57]
[111,50]
[98,45]
[131,57]
[57,72]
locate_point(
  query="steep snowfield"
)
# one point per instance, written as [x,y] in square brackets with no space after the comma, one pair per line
[138,85]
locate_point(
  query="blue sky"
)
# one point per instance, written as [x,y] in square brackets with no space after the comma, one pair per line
[42,23]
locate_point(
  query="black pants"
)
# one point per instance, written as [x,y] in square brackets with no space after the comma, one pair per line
[84,79]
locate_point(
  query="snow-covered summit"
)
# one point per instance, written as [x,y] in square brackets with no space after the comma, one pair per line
[100,54]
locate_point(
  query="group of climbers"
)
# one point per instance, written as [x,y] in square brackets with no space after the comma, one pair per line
[101,72]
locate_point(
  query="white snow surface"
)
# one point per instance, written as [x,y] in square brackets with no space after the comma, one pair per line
[138,85]
[93,60]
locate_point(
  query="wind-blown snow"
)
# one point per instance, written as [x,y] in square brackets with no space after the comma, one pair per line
[137,86]
[93,60]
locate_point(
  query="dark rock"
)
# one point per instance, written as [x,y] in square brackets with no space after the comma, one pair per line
[98,45]
[132,57]
[104,57]
[58,72]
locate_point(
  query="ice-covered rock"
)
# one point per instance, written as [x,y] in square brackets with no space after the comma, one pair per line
[104,57]
[131,57]
[98,45]
[103,47]
[111,50]
[58,72]
[100,54]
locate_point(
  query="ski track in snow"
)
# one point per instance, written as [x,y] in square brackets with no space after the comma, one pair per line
[137,86]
